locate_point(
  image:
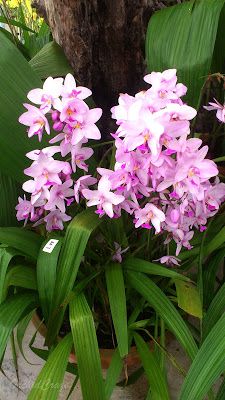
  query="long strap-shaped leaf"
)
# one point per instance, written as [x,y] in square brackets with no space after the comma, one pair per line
[215,310]
[6,254]
[74,244]
[158,300]
[12,310]
[113,373]
[49,380]
[117,301]
[186,42]
[46,272]
[139,265]
[86,348]
[207,366]
[21,276]
[158,386]
[21,239]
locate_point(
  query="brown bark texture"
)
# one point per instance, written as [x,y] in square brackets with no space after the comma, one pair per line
[104,42]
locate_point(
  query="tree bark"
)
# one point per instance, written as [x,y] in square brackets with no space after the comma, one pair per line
[104,42]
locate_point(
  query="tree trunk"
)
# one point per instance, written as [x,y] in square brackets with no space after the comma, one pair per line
[104,42]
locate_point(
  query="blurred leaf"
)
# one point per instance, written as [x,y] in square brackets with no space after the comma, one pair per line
[209,275]
[163,306]
[188,298]
[215,310]
[49,381]
[50,61]
[117,301]
[74,244]
[8,199]
[13,22]
[221,392]
[139,265]
[21,239]
[16,79]
[12,310]
[46,274]
[158,386]
[86,346]
[183,37]
[207,366]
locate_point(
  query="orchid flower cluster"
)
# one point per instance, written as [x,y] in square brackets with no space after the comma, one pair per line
[161,176]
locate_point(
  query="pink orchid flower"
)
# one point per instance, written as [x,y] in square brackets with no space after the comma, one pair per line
[47,96]
[71,90]
[59,194]
[149,214]
[36,120]
[82,183]
[104,198]
[220,113]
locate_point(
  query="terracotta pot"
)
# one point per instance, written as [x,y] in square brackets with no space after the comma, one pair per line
[132,358]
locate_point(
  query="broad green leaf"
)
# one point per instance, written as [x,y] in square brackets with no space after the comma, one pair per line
[21,276]
[163,306]
[9,193]
[49,381]
[6,255]
[50,61]
[16,79]
[113,373]
[86,347]
[216,242]
[215,310]
[139,265]
[44,354]
[12,310]
[74,244]
[117,301]
[23,240]
[188,298]
[46,273]
[158,386]
[183,37]
[207,366]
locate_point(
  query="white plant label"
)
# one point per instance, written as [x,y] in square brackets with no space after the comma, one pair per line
[49,247]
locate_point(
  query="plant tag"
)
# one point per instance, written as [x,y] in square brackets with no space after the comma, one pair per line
[50,245]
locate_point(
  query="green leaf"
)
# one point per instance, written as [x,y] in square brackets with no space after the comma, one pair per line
[6,255]
[183,37]
[86,347]
[49,381]
[44,354]
[10,21]
[117,301]
[158,386]
[12,310]
[8,199]
[74,244]
[21,276]
[163,306]
[214,312]
[139,265]
[50,61]
[16,79]
[46,273]
[23,240]
[21,330]
[209,275]
[207,366]
[188,298]
[113,373]
[221,393]
[216,242]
